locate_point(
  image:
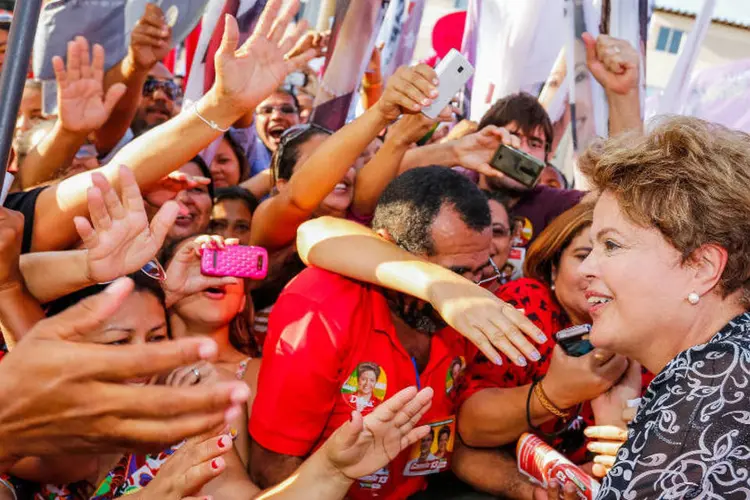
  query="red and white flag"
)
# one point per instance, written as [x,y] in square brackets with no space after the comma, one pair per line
[202,72]
[353,36]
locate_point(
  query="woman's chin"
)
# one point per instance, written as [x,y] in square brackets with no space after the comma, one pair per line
[336,205]
[601,337]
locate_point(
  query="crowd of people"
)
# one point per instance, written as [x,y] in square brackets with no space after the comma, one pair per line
[404,336]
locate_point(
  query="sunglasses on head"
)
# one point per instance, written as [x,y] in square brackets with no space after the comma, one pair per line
[170,88]
[289,135]
[153,269]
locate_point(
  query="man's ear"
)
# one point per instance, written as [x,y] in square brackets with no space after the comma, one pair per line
[383,233]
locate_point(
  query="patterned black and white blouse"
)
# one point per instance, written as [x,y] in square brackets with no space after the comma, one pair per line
[691,436]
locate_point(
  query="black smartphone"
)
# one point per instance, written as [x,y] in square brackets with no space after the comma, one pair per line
[575,340]
[517,165]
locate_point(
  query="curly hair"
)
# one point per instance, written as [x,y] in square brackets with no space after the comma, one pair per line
[690,180]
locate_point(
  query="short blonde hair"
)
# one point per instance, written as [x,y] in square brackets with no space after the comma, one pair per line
[689,179]
[545,252]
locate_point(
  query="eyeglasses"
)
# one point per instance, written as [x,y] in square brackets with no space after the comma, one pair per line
[494,277]
[153,269]
[285,109]
[170,88]
[288,136]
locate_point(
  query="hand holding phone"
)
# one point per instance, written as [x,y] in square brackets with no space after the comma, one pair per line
[236,261]
[517,165]
[575,340]
[453,71]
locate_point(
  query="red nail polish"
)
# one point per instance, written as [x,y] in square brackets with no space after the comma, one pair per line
[221,442]
[214,464]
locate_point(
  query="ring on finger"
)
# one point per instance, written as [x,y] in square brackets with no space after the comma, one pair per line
[197,374]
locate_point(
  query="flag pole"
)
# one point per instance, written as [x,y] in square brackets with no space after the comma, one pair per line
[326,12]
[15,69]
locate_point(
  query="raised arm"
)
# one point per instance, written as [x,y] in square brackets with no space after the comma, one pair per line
[118,240]
[82,105]
[386,164]
[472,151]
[150,42]
[276,221]
[19,311]
[473,311]
[245,75]
[616,66]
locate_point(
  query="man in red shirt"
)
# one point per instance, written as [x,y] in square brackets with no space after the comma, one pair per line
[336,345]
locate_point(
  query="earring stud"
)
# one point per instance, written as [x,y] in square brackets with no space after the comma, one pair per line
[693,298]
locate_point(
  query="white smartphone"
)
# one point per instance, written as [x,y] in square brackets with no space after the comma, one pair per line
[453,71]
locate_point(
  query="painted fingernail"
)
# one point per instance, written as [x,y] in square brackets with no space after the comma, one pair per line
[434,92]
[415,106]
[436,81]
[535,356]
[541,337]
[240,394]
[497,360]
[215,463]
[521,361]
[425,102]
[222,442]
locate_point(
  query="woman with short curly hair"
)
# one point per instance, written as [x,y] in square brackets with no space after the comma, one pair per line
[670,288]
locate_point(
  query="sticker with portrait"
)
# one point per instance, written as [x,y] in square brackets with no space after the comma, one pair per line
[454,374]
[432,453]
[521,232]
[375,481]
[365,388]
[513,267]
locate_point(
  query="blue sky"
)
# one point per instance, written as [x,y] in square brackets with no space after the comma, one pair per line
[731,10]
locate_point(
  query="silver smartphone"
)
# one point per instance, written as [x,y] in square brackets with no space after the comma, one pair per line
[453,71]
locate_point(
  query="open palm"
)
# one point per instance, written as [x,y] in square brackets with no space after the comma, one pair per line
[364,445]
[250,73]
[184,276]
[82,104]
[119,238]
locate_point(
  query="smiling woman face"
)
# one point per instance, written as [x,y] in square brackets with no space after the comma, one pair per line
[195,216]
[637,283]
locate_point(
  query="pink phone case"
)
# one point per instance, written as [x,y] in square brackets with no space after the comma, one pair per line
[237,261]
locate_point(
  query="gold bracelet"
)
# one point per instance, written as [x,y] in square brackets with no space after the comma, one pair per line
[547,404]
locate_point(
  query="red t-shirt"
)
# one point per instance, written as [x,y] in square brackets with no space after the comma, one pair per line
[542,308]
[332,348]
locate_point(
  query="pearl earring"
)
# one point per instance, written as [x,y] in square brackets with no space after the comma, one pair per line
[693,298]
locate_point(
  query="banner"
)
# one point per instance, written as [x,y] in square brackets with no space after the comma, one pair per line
[390,35]
[513,46]
[719,94]
[675,93]
[353,37]
[408,39]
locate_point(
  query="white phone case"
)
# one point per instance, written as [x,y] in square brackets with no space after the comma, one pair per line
[453,71]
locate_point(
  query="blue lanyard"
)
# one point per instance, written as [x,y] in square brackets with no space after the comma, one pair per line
[416,373]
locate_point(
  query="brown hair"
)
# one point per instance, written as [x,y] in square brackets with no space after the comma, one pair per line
[525,110]
[547,249]
[690,180]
